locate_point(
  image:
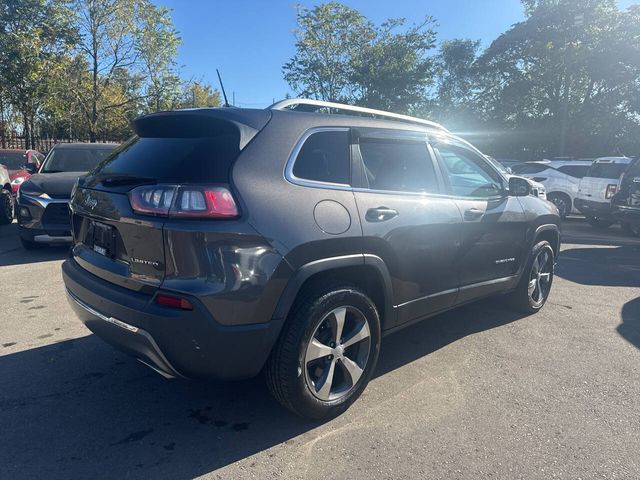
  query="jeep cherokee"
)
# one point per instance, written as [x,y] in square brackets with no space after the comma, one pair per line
[221,243]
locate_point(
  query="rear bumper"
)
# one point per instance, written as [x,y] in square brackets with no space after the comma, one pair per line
[629,215]
[593,209]
[175,343]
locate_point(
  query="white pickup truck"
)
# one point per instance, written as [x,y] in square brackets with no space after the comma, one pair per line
[597,188]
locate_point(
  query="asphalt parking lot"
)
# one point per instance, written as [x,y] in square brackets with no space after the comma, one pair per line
[478,392]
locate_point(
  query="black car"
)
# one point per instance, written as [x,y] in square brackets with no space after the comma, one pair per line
[43,200]
[626,203]
[221,243]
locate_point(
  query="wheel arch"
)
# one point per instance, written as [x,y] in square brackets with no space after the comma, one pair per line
[367,272]
[565,195]
[550,233]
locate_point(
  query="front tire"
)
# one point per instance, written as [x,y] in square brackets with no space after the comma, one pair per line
[535,285]
[600,223]
[6,207]
[326,353]
[29,245]
[632,230]
[562,203]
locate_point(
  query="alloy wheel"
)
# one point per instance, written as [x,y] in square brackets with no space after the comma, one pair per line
[337,354]
[561,205]
[540,277]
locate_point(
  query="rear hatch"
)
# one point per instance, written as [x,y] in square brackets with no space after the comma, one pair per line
[601,181]
[170,150]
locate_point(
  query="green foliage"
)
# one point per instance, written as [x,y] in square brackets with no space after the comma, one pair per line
[342,56]
[328,40]
[199,95]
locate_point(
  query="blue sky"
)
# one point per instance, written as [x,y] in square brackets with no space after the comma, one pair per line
[250,40]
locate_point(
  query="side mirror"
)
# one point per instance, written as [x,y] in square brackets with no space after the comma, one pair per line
[519,187]
[31,168]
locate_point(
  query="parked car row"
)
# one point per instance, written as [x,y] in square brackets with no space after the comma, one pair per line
[43,199]
[582,186]
[37,189]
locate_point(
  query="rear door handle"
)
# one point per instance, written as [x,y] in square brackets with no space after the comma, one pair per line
[380,214]
[473,214]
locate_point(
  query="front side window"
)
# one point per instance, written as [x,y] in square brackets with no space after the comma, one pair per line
[468,174]
[324,157]
[401,166]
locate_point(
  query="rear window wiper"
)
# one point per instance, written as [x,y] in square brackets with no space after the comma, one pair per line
[115,180]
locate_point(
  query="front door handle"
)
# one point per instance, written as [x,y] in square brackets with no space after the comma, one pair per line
[473,214]
[380,214]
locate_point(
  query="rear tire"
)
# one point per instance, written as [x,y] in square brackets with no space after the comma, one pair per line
[317,368]
[600,223]
[562,203]
[632,230]
[535,285]
[29,245]
[6,207]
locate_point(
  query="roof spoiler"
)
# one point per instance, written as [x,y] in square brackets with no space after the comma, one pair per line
[203,122]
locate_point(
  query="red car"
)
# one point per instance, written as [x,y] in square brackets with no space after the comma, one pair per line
[16,162]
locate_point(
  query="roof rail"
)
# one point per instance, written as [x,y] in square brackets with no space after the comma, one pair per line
[318,104]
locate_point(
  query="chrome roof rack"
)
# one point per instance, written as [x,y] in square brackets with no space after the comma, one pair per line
[319,104]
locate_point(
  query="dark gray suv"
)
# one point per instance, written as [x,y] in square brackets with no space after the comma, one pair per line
[221,243]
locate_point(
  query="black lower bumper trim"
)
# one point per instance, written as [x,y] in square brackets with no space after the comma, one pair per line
[133,340]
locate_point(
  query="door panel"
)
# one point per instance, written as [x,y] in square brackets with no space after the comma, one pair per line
[493,228]
[406,222]
[493,243]
[419,245]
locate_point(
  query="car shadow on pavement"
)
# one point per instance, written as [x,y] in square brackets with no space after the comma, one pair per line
[80,409]
[12,252]
[613,266]
[629,329]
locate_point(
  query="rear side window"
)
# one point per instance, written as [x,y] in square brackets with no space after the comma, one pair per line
[175,160]
[400,166]
[324,157]
[607,170]
[577,171]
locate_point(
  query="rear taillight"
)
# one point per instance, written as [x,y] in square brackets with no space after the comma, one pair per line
[192,201]
[611,190]
[208,202]
[152,199]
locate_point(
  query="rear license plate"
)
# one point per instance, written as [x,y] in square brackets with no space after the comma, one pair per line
[103,239]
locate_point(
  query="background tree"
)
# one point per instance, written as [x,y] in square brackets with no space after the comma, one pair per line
[561,80]
[34,37]
[328,39]
[199,95]
[119,36]
[392,71]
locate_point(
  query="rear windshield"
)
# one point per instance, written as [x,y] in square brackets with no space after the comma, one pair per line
[13,160]
[74,159]
[607,170]
[169,160]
